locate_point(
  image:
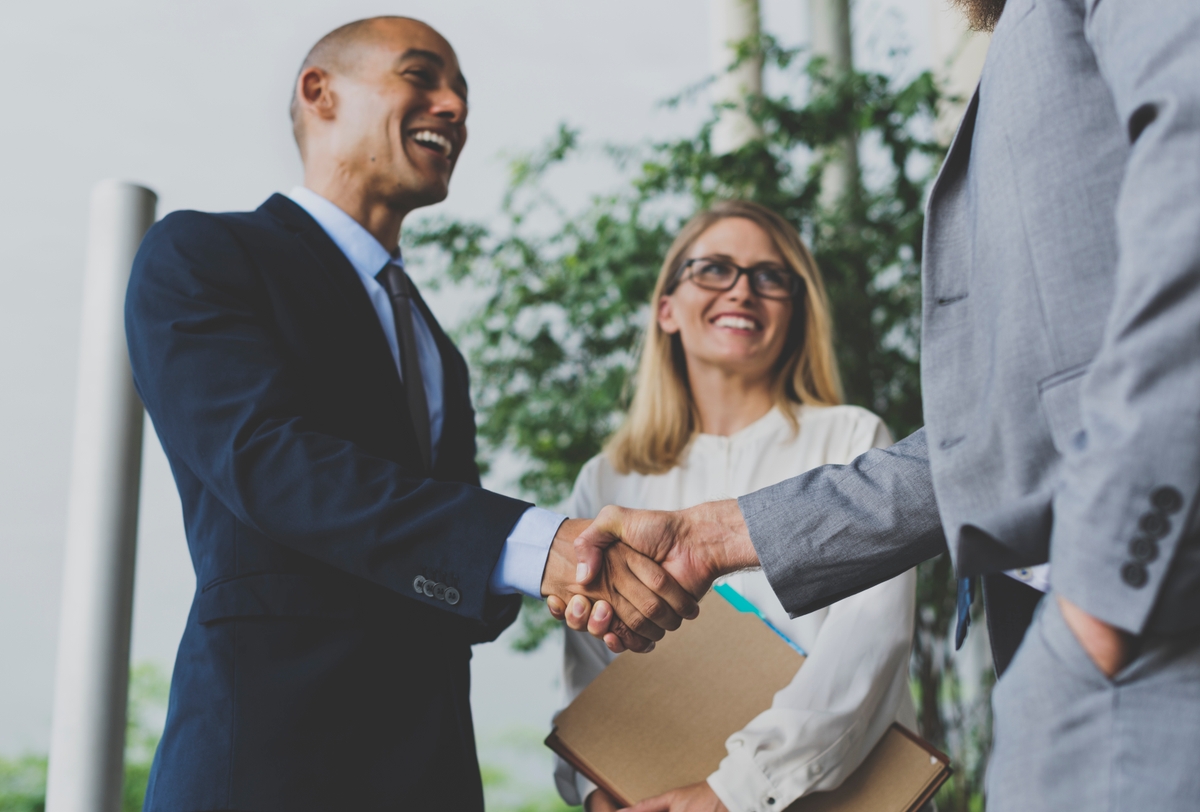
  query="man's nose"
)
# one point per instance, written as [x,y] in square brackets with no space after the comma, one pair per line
[449,106]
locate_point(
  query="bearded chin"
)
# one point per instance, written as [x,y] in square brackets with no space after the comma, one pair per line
[981,14]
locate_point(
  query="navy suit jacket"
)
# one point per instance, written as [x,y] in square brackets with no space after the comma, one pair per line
[311,675]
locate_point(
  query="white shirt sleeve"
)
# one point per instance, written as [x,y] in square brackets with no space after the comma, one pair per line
[523,557]
[826,721]
[584,656]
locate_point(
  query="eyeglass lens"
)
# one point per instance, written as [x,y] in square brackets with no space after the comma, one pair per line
[770,281]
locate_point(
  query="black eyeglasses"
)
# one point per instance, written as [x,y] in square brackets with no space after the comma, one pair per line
[767,281]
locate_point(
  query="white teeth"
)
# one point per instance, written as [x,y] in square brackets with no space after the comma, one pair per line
[430,137]
[736,322]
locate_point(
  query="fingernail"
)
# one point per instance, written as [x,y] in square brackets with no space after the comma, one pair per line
[602,612]
[581,573]
[650,647]
[576,608]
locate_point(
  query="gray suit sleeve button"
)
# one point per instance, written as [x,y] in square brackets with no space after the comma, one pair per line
[452,596]
[427,588]
[439,592]
[1134,574]
[1144,550]
[419,583]
[1154,524]
[1166,499]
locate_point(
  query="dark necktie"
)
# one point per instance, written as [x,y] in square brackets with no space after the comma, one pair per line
[399,287]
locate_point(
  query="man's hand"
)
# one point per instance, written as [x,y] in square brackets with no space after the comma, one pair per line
[647,601]
[697,797]
[694,546]
[1110,648]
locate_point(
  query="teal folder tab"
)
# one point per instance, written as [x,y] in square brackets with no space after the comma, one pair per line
[738,601]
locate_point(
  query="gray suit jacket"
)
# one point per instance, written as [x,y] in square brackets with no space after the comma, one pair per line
[1061,337]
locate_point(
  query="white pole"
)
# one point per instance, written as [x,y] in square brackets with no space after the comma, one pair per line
[732,23]
[87,740]
[829,26]
[829,22]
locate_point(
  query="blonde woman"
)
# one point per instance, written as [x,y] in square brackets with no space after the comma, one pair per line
[738,389]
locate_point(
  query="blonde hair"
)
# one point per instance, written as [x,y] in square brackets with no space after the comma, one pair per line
[662,417]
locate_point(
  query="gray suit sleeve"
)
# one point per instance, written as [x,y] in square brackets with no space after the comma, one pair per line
[839,529]
[1129,482]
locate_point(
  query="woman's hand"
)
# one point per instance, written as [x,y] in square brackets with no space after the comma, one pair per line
[600,801]
[693,798]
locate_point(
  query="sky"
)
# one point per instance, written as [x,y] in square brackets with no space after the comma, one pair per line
[190,99]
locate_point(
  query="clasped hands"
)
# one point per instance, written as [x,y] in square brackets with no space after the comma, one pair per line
[630,576]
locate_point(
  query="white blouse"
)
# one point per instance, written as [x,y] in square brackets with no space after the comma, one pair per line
[854,683]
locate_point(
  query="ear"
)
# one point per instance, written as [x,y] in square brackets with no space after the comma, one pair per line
[314,92]
[666,316]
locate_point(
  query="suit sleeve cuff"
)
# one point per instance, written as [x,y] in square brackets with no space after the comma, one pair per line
[523,557]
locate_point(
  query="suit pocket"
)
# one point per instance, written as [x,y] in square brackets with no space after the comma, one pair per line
[289,595]
[1059,395]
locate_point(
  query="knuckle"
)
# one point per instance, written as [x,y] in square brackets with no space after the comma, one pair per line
[657,580]
[656,609]
[647,629]
[636,643]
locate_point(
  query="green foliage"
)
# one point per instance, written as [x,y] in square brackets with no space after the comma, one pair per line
[23,784]
[565,298]
[504,792]
[553,344]
[23,780]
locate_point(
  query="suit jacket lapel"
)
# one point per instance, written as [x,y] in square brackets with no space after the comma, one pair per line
[334,270]
[331,269]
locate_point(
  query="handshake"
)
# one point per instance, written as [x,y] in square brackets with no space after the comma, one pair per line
[630,576]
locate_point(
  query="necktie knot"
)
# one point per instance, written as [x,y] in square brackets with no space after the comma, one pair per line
[394,280]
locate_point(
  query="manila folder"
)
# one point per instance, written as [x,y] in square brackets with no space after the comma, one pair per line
[654,722]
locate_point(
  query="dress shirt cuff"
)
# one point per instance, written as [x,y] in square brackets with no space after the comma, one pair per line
[742,786]
[523,557]
[585,787]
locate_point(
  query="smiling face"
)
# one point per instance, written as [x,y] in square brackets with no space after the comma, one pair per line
[388,112]
[736,331]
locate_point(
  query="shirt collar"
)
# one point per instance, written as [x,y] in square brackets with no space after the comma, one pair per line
[364,251]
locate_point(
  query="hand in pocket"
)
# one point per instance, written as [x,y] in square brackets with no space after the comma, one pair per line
[1109,648]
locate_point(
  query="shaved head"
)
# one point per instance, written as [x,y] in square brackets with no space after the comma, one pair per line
[340,51]
[379,111]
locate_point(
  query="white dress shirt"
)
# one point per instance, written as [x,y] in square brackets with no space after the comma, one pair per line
[523,557]
[854,683]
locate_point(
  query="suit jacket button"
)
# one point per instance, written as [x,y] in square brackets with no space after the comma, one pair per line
[428,588]
[1143,550]
[1166,499]
[439,592]
[1154,524]
[419,583]
[1134,574]
[452,595]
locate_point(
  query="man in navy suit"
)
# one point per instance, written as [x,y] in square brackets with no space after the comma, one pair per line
[318,424]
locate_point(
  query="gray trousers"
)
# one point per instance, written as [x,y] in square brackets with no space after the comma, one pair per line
[1067,737]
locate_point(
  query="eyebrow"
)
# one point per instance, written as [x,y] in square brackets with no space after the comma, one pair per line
[434,57]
